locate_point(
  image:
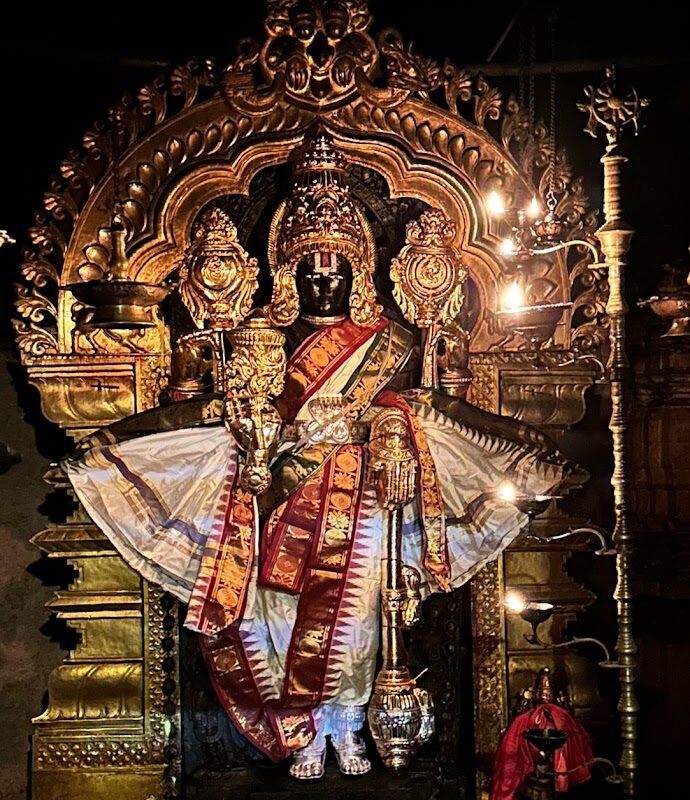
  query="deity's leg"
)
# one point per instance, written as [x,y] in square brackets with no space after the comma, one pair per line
[342,724]
[309,762]
[350,751]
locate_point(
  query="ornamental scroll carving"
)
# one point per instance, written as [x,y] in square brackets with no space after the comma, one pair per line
[252,106]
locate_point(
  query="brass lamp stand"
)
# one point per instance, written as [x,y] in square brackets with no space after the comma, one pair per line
[540,784]
[613,113]
[112,299]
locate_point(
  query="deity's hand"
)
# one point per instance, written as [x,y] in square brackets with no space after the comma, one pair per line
[395,485]
[255,426]
[453,361]
[329,421]
[392,460]
[456,344]
[190,363]
[253,422]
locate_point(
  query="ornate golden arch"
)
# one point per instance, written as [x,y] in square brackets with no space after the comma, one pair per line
[203,133]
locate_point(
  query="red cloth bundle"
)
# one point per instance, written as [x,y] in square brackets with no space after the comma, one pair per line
[516,757]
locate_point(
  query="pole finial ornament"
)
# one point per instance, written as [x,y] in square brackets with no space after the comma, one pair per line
[611,111]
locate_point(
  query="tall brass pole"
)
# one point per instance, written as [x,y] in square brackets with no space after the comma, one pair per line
[615,238]
[613,113]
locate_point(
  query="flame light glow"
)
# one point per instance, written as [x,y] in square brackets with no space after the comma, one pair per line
[514,602]
[533,209]
[507,491]
[495,205]
[513,298]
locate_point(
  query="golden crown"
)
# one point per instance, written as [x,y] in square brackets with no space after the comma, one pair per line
[320,215]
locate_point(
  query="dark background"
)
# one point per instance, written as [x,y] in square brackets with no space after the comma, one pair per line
[62,66]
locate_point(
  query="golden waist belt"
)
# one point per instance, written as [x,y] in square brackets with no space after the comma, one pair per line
[300,431]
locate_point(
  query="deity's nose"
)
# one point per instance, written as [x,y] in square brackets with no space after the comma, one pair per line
[320,51]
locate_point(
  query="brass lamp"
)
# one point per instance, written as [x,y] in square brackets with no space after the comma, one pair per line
[113,299]
[536,322]
[540,784]
[530,504]
[536,613]
[611,112]
[672,302]
[535,504]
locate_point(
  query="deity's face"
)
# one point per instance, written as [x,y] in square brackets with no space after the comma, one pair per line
[323,284]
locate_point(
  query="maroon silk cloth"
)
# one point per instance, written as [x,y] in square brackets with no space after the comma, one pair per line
[516,757]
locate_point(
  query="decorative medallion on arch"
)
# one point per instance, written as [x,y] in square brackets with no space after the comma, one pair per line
[421,137]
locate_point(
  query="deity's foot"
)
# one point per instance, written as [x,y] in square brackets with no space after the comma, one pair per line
[309,762]
[351,754]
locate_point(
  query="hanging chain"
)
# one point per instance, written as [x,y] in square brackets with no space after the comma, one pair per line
[532,58]
[531,110]
[551,200]
[521,64]
[116,129]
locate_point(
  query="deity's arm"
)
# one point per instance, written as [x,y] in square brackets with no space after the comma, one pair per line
[195,412]
[495,425]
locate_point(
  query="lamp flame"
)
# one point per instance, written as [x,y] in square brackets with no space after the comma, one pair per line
[507,492]
[514,602]
[495,205]
[513,299]
[533,209]
[508,247]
